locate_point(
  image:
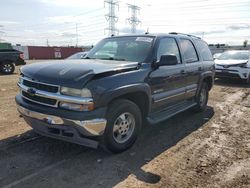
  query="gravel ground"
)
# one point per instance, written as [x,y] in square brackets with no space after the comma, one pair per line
[208,149]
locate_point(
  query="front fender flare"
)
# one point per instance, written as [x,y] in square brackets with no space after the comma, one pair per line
[114,93]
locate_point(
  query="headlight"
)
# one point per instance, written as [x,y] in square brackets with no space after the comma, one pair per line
[76,107]
[243,65]
[76,92]
[20,81]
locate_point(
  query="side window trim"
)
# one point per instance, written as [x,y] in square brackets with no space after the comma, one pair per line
[197,55]
[177,44]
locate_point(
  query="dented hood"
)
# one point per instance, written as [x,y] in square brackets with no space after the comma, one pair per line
[74,73]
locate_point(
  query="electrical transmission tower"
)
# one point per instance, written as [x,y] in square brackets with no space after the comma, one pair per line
[111,17]
[133,20]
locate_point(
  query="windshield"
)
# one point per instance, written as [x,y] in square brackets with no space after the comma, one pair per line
[133,48]
[233,55]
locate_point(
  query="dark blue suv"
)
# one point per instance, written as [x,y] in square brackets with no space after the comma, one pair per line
[124,81]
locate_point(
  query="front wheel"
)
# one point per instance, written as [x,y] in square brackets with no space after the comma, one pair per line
[202,98]
[248,79]
[123,125]
[7,68]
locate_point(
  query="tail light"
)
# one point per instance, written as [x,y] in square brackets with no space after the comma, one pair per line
[21,56]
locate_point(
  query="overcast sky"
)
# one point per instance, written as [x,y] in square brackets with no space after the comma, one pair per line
[38,22]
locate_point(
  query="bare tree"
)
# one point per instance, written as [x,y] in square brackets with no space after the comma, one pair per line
[245,43]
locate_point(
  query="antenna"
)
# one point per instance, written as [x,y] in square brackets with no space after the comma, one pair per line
[133,20]
[111,17]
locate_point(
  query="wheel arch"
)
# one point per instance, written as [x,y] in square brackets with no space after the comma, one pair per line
[137,93]
[208,78]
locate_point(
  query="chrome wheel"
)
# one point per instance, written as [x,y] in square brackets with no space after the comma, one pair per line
[203,97]
[7,68]
[123,127]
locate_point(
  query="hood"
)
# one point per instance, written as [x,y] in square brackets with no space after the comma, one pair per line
[74,73]
[229,62]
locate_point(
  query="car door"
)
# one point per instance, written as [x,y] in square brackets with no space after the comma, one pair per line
[194,66]
[167,82]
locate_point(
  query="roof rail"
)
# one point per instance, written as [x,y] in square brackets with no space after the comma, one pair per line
[175,33]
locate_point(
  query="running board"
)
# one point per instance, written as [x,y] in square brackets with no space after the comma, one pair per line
[158,117]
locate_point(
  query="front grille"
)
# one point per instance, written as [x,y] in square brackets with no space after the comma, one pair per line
[41,86]
[226,74]
[225,70]
[39,99]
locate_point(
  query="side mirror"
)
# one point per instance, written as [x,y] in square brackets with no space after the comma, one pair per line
[166,60]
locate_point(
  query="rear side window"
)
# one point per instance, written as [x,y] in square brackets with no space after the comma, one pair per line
[168,46]
[204,50]
[189,51]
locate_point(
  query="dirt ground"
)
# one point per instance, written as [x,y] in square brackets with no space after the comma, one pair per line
[209,149]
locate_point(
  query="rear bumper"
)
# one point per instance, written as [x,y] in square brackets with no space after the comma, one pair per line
[69,127]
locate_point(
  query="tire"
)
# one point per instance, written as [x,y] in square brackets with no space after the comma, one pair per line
[7,68]
[247,81]
[202,98]
[123,126]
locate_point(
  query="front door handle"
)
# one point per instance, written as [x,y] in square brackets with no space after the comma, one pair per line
[182,71]
[199,69]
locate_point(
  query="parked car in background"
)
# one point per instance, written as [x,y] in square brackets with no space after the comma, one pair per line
[122,82]
[9,58]
[234,64]
[78,55]
[216,55]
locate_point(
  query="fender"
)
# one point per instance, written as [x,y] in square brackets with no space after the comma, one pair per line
[203,76]
[123,90]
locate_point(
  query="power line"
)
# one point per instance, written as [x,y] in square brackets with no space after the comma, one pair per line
[47,23]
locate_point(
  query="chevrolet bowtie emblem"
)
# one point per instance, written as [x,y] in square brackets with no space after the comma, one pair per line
[31,91]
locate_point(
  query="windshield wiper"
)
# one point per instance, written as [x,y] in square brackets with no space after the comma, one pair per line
[88,58]
[111,58]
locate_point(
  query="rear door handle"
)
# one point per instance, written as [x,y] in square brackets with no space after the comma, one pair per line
[182,71]
[199,69]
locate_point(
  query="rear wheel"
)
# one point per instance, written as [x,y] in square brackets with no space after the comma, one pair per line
[7,68]
[123,125]
[202,98]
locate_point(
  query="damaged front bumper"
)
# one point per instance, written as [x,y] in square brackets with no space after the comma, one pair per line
[83,132]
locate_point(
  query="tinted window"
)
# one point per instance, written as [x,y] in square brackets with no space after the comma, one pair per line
[234,55]
[168,46]
[204,50]
[189,52]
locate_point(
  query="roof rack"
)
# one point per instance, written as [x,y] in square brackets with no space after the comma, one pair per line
[175,33]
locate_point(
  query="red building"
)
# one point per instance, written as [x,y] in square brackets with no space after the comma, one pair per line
[45,52]
[41,52]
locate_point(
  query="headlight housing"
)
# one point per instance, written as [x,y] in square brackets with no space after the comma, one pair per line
[76,92]
[20,80]
[243,65]
[84,93]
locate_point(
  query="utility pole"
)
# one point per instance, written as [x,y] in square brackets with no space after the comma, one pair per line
[202,36]
[76,34]
[111,17]
[133,20]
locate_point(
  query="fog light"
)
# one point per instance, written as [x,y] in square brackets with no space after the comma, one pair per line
[76,107]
